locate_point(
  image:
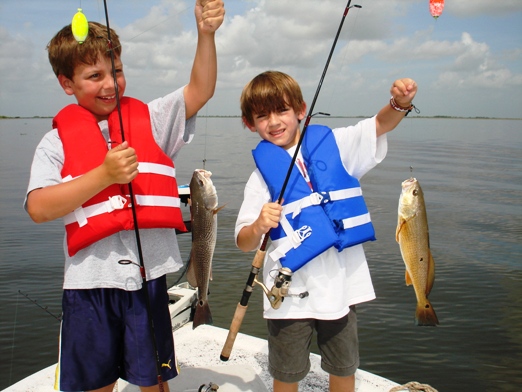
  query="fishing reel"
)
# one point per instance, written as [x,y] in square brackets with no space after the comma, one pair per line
[211,387]
[281,288]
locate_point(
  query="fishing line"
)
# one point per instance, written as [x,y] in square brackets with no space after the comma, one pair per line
[337,86]
[134,214]
[13,345]
[154,26]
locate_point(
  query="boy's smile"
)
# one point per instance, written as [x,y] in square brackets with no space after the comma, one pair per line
[93,86]
[280,128]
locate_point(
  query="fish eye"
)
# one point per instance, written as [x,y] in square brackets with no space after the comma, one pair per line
[415,192]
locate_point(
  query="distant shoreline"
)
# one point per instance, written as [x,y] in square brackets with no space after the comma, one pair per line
[237,116]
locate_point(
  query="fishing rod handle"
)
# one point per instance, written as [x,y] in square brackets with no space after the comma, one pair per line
[233,331]
[242,306]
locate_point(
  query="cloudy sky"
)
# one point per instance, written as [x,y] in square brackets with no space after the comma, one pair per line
[467,63]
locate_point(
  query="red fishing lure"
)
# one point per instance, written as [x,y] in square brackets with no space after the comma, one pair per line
[436,7]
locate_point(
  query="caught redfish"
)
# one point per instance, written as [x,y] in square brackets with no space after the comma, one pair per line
[203,210]
[413,238]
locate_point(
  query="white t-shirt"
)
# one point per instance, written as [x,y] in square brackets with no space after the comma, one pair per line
[97,265]
[334,280]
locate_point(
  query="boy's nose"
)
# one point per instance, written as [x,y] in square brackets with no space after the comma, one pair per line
[273,119]
[108,82]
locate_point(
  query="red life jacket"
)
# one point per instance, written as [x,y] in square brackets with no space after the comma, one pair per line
[155,187]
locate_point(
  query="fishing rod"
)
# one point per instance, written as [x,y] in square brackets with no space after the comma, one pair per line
[45,308]
[134,214]
[257,263]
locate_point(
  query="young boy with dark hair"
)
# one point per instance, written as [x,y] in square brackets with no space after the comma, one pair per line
[317,233]
[80,173]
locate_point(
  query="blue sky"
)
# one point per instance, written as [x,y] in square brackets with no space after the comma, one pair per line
[467,63]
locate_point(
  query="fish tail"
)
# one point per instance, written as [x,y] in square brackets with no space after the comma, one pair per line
[202,315]
[425,315]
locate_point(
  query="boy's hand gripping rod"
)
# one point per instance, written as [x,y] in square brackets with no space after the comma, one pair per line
[275,297]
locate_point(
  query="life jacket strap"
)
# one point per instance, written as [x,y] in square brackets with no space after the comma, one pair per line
[292,240]
[118,202]
[317,198]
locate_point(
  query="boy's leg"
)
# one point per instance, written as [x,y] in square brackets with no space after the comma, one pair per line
[342,384]
[289,351]
[90,340]
[155,388]
[140,358]
[280,386]
[108,388]
[339,346]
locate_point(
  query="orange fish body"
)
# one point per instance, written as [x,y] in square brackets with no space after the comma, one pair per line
[413,238]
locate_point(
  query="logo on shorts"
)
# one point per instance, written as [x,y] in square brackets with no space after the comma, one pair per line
[167,364]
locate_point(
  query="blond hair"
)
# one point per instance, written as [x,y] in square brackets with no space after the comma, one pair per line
[65,53]
[270,92]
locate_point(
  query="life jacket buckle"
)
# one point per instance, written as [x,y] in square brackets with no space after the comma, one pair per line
[301,234]
[116,203]
[317,198]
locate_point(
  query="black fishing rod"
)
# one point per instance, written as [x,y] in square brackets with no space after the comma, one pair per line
[45,308]
[134,214]
[257,263]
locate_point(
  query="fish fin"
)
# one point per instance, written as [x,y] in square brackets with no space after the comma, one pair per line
[216,210]
[191,273]
[400,223]
[202,315]
[425,315]
[407,278]
[431,273]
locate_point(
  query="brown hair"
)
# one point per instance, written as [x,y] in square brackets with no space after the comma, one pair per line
[270,92]
[65,53]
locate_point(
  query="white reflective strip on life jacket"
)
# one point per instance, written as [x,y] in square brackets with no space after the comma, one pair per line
[319,198]
[359,220]
[157,201]
[156,168]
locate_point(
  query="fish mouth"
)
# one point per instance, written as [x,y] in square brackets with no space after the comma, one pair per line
[204,173]
[409,182]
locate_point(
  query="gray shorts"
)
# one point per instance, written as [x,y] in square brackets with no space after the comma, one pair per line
[289,346]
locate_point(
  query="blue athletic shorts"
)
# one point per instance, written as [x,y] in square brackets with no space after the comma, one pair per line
[105,335]
[289,343]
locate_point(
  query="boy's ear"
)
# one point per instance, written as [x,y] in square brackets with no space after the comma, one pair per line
[247,124]
[302,114]
[66,84]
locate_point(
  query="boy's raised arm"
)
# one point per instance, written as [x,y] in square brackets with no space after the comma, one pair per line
[209,16]
[403,91]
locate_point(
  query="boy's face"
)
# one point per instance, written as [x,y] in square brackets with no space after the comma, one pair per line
[93,86]
[280,128]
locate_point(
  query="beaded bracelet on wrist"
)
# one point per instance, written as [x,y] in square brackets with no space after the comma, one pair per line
[407,110]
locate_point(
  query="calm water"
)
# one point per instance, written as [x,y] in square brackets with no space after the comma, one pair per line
[471,173]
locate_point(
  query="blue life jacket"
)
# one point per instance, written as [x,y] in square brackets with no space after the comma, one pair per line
[333,214]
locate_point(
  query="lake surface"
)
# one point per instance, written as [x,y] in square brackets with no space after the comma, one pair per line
[471,174]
